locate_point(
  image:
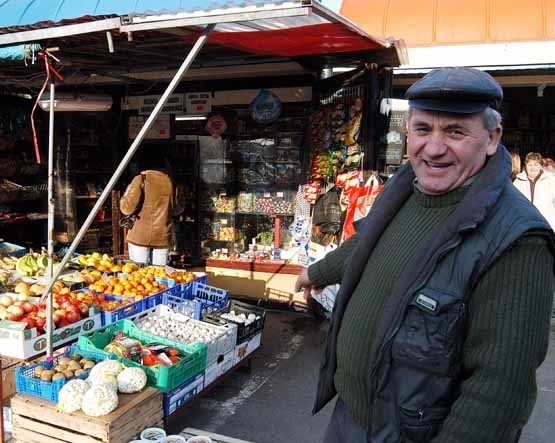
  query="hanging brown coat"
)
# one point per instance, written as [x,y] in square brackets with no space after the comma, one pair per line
[153,226]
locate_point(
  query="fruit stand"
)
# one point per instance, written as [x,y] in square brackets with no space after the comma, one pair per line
[182,334]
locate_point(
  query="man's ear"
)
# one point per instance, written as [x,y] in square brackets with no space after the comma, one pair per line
[493,141]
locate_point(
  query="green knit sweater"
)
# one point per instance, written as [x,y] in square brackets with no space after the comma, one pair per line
[508,333]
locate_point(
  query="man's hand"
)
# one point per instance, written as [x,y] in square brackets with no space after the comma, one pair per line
[304,284]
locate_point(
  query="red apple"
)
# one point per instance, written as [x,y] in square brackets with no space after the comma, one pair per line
[73,317]
[84,309]
[29,321]
[63,323]
[57,317]
[16,311]
[28,307]
[61,299]
[40,324]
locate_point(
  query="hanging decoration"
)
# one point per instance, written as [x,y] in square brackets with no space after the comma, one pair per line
[266,107]
[216,125]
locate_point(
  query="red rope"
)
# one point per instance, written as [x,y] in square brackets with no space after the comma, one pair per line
[49,68]
[35,139]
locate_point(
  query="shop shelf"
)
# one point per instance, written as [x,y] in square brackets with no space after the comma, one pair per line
[195,299]
[26,383]
[244,332]
[164,378]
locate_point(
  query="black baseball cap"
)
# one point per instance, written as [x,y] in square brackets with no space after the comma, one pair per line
[457,90]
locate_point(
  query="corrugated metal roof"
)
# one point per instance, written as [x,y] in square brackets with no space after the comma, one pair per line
[154,35]
[29,12]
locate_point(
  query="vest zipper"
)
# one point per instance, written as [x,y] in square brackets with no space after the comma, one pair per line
[448,247]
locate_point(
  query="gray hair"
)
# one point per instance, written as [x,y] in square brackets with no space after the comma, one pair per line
[491,117]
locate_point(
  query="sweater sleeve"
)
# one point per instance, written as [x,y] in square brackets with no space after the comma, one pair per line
[130,200]
[329,270]
[507,339]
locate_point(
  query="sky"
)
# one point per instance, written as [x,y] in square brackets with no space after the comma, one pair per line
[332,4]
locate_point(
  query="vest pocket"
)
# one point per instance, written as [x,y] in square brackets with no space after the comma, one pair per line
[430,334]
[420,426]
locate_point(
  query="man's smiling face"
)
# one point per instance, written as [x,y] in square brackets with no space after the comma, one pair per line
[446,149]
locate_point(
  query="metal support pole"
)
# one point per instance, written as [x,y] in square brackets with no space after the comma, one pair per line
[50,267]
[131,151]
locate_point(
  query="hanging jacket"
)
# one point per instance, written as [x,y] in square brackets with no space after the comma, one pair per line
[544,194]
[416,356]
[153,226]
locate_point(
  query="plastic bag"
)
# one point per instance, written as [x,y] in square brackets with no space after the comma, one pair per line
[361,200]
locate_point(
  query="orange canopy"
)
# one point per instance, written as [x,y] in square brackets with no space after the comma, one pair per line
[451,22]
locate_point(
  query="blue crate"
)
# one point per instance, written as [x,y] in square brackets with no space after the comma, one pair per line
[170,282]
[195,299]
[154,300]
[109,317]
[182,394]
[12,249]
[26,383]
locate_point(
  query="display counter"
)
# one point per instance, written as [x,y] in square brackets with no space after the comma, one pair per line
[264,280]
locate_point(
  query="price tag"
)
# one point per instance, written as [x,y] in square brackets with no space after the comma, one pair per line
[224,251]
[223,194]
[279,194]
[267,195]
[223,221]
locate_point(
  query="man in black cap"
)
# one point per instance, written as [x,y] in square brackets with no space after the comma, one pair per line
[446,289]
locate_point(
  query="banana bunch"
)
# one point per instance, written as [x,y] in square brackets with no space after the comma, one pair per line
[8,263]
[32,264]
[4,278]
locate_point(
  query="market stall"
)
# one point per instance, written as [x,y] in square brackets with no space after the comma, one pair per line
[139,307]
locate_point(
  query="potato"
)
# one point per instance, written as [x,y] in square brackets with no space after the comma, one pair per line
[78,372]
[68,374]
[47,375]
[60,368]
[39,370]
[58,376]
[88,365]
[64,361]
[73,365]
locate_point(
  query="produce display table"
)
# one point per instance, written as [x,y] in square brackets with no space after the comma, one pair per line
[216,438]
[272,281]
[36,420]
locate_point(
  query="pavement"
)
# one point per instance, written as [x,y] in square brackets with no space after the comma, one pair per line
[273,402]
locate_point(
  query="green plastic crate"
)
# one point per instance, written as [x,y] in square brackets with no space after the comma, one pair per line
[164,378]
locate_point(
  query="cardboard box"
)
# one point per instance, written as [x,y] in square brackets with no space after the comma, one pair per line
[184,393]
[18,342]
[243,350]
[217,369]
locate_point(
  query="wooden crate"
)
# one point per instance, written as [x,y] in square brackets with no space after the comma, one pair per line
[8,377]
[36,420]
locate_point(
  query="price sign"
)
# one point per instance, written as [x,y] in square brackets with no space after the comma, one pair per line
[223,221]
[279,194]
[267,195]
